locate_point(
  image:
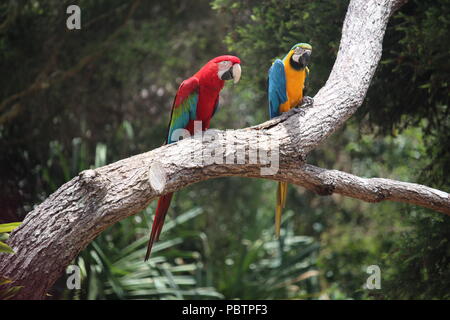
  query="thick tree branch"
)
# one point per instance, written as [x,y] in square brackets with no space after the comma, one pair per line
[326,182]
[58,229]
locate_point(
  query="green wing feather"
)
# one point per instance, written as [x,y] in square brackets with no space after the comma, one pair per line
[184,107]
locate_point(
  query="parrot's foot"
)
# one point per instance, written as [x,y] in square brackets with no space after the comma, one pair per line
[300,110]
[307,102]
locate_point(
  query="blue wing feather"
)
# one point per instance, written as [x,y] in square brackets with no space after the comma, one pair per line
[276,88]
[187,112]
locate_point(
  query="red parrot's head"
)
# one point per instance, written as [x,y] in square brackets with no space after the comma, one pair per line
[223,68]
[229,67]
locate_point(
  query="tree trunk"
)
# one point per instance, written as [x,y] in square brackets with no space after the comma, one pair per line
[57,230]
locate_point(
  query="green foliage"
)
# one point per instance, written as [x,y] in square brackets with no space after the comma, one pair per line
[416,64]
[89,85]
[8,227]
[262,31]
[4,229]
[416,61]
[112,267]
[7,293]
[260,267]
[421,259]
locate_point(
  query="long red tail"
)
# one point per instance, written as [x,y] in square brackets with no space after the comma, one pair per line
[161,211]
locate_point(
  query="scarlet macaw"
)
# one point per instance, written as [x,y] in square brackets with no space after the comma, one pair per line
[197,99]
[285,91]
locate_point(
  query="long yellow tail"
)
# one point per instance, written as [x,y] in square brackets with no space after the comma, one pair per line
[281,202]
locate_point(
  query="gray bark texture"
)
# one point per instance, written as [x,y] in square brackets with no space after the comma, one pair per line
[54,233]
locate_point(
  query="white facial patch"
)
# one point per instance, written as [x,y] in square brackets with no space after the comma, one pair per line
[297,54]
[224,66]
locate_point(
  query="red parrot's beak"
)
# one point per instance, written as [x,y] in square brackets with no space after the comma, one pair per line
[236,72]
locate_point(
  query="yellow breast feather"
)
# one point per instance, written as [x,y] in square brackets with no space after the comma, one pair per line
[295,81]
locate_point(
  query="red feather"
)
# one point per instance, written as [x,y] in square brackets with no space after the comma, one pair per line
[209,86]
[160,215]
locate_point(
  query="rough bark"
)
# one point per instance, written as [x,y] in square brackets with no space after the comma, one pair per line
[57,230]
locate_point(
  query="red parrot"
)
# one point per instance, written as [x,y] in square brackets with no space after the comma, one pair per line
[197,99]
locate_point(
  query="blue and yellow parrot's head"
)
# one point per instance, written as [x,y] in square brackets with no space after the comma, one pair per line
[300,55]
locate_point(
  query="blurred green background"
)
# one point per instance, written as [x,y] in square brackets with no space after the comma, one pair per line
[72,100]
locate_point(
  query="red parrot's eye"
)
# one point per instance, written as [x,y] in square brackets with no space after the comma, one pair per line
[224,65]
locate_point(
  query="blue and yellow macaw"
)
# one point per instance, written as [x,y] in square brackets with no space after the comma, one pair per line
[285,91]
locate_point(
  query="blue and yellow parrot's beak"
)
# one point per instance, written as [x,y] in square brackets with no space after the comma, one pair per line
[302,57]
[305,57]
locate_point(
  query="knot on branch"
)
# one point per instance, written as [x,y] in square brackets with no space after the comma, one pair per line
[381,195]
[89,180]
[87,177]
[294,162]
[325,189]
[157,177]
[326,184]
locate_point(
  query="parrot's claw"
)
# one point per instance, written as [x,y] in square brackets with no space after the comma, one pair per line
[307,102]
[300,110]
